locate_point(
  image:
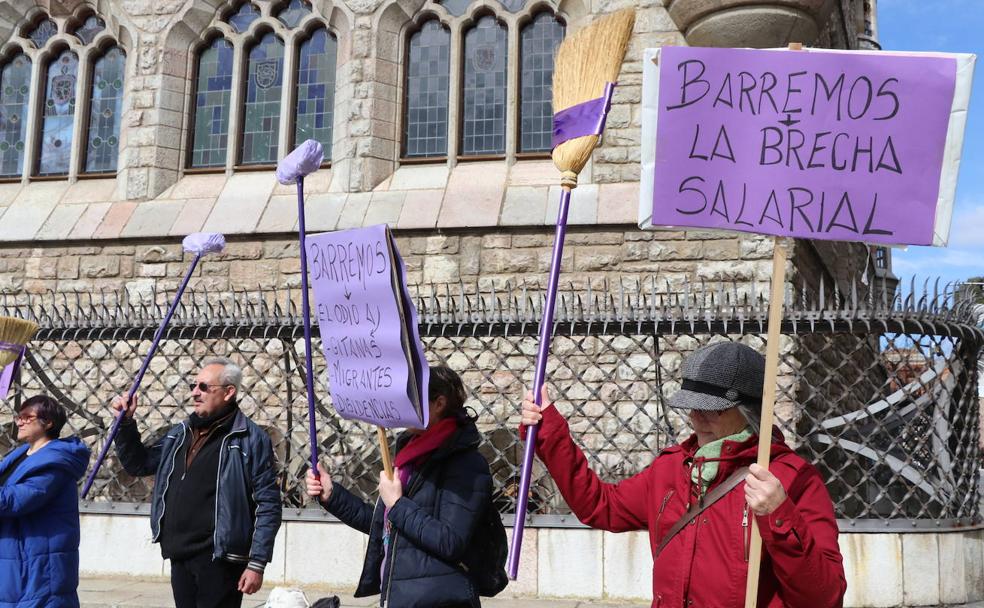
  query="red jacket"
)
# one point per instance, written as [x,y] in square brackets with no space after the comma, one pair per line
[705,565]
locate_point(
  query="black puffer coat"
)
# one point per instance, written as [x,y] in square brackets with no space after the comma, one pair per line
[432,525]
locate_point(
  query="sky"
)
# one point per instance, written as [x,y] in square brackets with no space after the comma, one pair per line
[951,26]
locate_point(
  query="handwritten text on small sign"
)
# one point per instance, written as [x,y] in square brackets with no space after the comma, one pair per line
[363,328]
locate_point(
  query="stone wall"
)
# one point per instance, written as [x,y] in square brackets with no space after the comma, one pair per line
[591,256]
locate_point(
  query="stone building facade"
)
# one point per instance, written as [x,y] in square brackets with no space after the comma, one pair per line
[463,210]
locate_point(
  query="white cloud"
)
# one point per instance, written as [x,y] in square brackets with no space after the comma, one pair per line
[936,261]
[963,258]
[967,228]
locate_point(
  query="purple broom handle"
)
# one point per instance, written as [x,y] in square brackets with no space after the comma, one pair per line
[306,310]
[140,374]
[546,330]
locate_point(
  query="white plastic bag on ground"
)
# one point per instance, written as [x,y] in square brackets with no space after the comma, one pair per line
[283,597]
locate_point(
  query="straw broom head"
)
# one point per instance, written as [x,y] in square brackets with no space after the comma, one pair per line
[15,331]
[585,62]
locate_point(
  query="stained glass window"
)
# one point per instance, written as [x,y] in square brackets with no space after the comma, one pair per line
[102,148]
[428,75]
[212,92]
[538,43]
[484,127]
[294,12]
[261,122]
[15,89]
[513,6]
[89,29]
[241,19]
[458,7]
[43,32]
[58,114]
[316,89]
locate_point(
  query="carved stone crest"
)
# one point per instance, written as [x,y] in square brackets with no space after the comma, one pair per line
[484,59]
[266,73]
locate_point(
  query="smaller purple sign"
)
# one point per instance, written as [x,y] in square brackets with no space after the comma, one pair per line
[816,145]
[377,372]
[8,372]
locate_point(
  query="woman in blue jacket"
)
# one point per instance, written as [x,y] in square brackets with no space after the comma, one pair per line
[39,511]
[423,525]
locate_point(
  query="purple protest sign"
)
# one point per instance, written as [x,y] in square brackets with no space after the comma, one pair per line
[377,372]
[818,145]
[8,372]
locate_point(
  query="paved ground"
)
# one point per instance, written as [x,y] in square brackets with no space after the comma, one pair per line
[156,593]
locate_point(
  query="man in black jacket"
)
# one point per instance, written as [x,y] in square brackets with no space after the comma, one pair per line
[216,504]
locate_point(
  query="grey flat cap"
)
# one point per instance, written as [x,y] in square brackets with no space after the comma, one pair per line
[721,376]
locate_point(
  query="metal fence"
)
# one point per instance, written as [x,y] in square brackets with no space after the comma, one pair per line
[879,391]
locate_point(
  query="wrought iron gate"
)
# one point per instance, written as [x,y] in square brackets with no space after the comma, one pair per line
[880,391]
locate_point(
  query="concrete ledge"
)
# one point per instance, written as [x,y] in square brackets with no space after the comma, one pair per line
[916,569]
[479,194]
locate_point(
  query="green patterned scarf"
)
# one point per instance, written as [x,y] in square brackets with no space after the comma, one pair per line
[709,470]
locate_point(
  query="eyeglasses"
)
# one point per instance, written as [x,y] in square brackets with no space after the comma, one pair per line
[25,419]
[204,386]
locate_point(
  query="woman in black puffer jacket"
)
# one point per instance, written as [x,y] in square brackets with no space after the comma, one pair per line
[420,527]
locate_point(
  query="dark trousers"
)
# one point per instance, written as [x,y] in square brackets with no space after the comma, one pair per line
[199,582]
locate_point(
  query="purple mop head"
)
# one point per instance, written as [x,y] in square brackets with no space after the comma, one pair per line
[204,242]
[305,159]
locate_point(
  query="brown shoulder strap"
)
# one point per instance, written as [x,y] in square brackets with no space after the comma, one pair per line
[719,492]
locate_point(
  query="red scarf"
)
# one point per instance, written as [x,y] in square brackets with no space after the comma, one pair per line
[421,446]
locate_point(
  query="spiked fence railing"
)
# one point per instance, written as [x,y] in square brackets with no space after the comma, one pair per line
[878,388]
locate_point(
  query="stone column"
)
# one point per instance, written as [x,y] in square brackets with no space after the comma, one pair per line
[747,23]
[157,87]
[368,85]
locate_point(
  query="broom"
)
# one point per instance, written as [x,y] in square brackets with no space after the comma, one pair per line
[304,160]
[586,66]
[201,244]
[14,336]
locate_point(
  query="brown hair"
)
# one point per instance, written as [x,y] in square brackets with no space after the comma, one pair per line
[446,382]
[47,410]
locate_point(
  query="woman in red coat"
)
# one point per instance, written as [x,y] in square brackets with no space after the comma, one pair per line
[705,563]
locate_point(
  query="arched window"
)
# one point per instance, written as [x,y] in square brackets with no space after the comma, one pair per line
[89,29]
[58,114]
[491,72]
[264,88]
[105,107]
[244,17]
[295,12]
[316,89]
[212,92]
[268,34]
[458,7]
[484,128]
[43,32]
[538,44]
[15,90]
[428,77]
[38,117]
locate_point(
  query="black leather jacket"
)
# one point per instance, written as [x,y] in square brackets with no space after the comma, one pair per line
[247,515]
